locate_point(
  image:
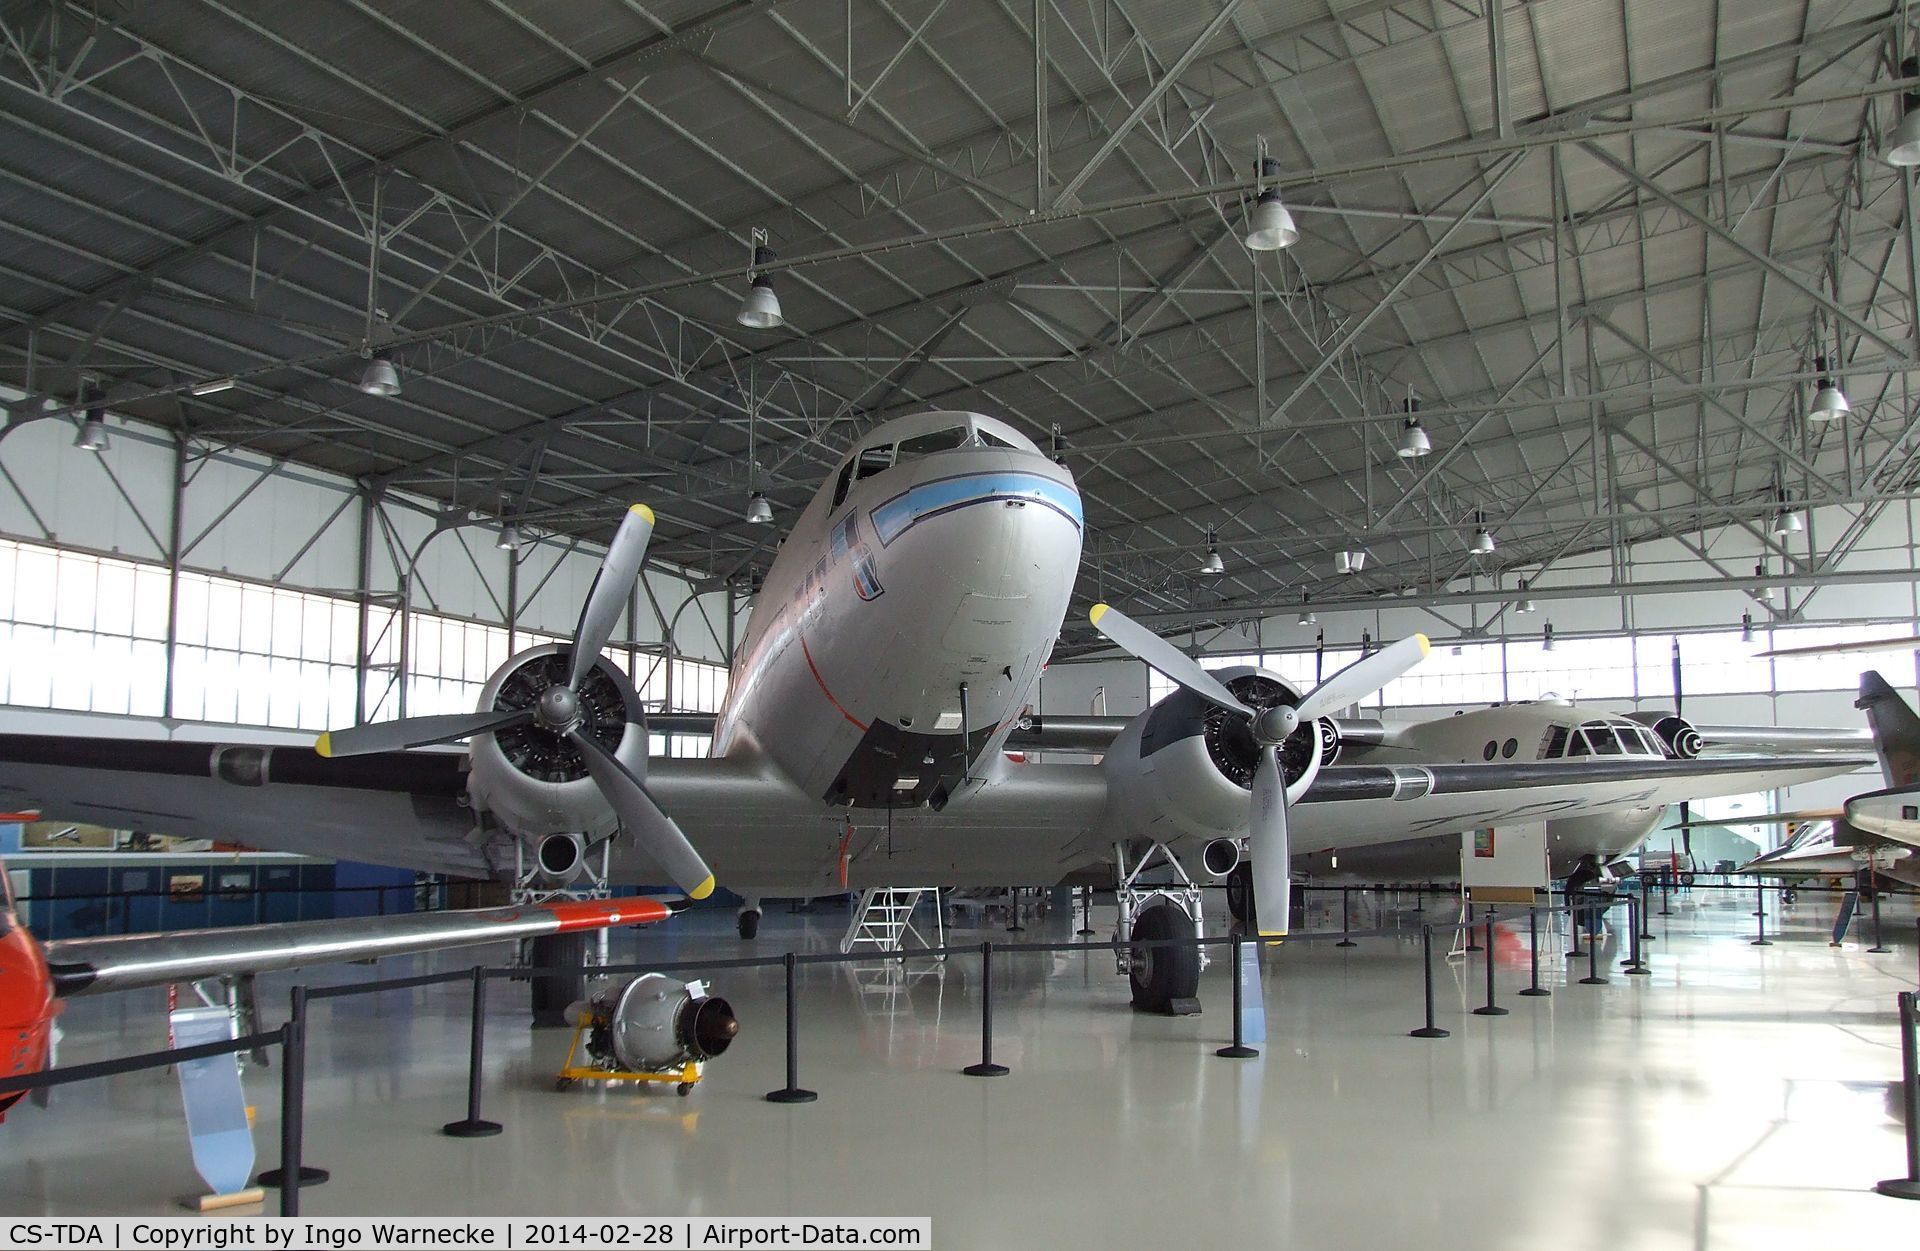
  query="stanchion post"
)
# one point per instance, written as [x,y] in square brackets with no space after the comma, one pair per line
[1086,911]
[791,1092]
[1666,890]
[1879,948]
[1534,989]
[1346,918]
[292,1174]
[1473,943]
[1908,1187]
[986,1067]
[1643,929]
[1593,977]
[1760,915]
[1239,1050]
[473,1125]
[1489,1008]
[1429,1030]
[1760,899]
[1635,963]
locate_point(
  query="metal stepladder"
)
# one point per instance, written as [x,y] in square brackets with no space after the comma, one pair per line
[883,920]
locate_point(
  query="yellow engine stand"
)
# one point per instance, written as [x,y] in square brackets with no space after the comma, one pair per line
[684,1078]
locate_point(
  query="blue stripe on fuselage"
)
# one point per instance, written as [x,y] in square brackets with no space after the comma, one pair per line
[944,495]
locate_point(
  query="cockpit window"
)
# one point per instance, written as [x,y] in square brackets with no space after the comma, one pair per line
[991,439]
[873,460]
[1577,745]
[1605,742]
[840,487]
[1556,743]
[937,441]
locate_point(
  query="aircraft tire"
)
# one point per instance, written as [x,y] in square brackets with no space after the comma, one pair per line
[749,923]
[1240,905]
[1162,974]
[554,994]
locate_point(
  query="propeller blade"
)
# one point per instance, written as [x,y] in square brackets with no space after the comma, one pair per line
[611,588]
[1270,846]
[1364,676]
[653,830]
[414,732]
[1143,644]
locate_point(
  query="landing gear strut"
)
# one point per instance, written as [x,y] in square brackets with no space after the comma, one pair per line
[1165,979]
[553,994]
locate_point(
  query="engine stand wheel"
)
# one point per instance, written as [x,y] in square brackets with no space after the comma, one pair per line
[553,994]
[749,923]
[1161,975]
[684,1089]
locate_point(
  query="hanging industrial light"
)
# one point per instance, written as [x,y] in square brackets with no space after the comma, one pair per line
[1270,226]
[92,436]
[1525,604]
[1306,612]
[759,512]
[1766,592]
[1746,627]
[1483,543]
[509,540]
[1829,401]
[380,377]
[212,386]
[1211,563]
[760,310]
[1546,638]
[1903,144]
[1414,441]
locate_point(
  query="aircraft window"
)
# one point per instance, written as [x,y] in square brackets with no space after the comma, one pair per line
[938,441]
[1492,747]
[1556,743]
[1605,742]
[840,487]
[1577,745]
[991,439]
[874,459]
[1509,747]
[1649,744]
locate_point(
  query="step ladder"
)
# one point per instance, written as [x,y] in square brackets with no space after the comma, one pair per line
[883,920]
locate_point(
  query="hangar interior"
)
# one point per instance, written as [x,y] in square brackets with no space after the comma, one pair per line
[337,339]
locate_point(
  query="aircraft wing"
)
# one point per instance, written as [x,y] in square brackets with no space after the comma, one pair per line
[125,962]
[395,808]
[1891,814]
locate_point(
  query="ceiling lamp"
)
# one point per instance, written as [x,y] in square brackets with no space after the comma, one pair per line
[1766,592]
[1212,564]
[509,540]
[1483,543]
[759,512]
[1546,638]
[1903,145]
[1526,603]
[1270,226]
[380,377]
[1786,521]
[1306,613]
[1829,401]
[1414,442]
[213,386]
[1746,627]
[1349,562]
[92,436]
[760,310]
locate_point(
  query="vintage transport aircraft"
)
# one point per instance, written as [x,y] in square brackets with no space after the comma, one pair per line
[889,660]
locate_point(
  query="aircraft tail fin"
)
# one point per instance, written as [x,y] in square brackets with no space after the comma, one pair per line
[1896,730]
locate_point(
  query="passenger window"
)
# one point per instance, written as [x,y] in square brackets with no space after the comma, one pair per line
[1492,747]
[1509,747]
[840,487]
[1577,745]
[938,441]
[874,459]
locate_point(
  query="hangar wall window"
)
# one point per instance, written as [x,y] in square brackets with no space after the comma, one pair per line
[81,632]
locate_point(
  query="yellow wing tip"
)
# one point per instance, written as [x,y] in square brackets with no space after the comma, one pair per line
[703,890]
[1426,644]
[646,514]
[323,746]
[1099,611]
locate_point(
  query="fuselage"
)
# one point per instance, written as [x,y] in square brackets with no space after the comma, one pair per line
[906,619]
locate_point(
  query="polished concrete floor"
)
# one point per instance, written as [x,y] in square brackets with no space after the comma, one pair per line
[1736,1098]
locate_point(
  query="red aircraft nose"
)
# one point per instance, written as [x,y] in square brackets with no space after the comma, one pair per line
[27,1005]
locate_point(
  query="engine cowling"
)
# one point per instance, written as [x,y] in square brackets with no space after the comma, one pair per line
[532,780]
[655,1023]
[1675,732]
[1184,768]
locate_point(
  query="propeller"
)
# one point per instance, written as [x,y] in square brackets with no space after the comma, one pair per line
[558,710]
[1267,836]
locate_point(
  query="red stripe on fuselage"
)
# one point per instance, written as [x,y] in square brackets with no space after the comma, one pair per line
[600,914]
[822,682]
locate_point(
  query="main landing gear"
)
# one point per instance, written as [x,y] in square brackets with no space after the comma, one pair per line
[1158,901]
[748,918]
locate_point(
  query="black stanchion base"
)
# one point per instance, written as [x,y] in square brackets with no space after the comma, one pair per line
[1473,947]
[1489,1010]
[470,1128]
[1536,992]
[1639,970]
[1761,942]
[792,1094]
[1237,1053]
[1878,951]
[1648,938]
[309,1176]
[1016,929]
[1898,1188]
[1663,913]
[1595,980]
[1346,942]
[1084,933]
[1429,1031]
[986,1070]
[1576,954]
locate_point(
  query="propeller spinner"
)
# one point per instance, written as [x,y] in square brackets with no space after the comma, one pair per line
[1267,836]
[559,711]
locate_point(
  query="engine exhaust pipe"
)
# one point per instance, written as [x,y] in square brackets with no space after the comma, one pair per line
[560,859]
[1220,856]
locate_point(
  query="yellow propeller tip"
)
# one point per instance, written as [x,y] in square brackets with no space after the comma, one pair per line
[323,746]
[703,890]
[1426,644]
[646,514]
[1099,611]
